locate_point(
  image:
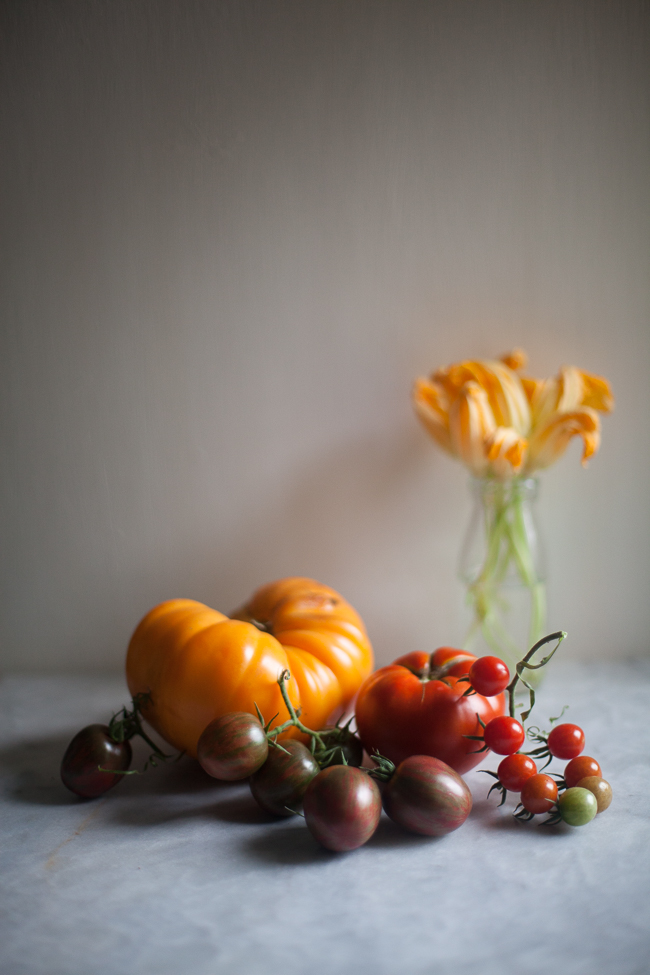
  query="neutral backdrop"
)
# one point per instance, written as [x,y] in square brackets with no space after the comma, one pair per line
[233,234]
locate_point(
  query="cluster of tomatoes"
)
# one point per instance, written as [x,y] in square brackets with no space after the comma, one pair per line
[341,802]
[574,797]
[424,719]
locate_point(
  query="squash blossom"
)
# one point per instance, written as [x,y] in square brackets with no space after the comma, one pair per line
[503,425]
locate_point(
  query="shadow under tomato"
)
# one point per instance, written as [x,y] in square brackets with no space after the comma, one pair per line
[389,836]
[291,844]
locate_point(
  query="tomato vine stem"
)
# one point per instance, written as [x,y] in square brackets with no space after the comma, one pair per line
[524,664]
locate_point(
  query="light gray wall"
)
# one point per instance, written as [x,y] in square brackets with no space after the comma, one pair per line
[233,234]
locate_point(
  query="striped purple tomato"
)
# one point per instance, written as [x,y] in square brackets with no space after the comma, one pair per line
[342,807]
[280,784]
[233,746]
[426,796]
[91,748]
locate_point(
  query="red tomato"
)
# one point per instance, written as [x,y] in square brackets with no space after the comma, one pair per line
[566,741]
[406,709]
[514,771]
[579,768]
[489,676]
[504,735]
[539,793]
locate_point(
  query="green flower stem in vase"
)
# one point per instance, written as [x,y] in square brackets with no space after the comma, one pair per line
[502,566]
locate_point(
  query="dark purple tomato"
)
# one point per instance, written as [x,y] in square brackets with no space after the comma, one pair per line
[426,796]
[283,779]
[90,748]
[342,807]
[233,746]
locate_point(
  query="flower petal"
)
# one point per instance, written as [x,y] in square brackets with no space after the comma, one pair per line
[503,387]
[471,422]
[506,452]
[432,407]
[550,442]
[516,359]
[597,393]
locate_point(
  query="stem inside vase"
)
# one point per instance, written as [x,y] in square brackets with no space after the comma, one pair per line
[503,568]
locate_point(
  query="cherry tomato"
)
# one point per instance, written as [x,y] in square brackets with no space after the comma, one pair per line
[515,770]
[342,807]
[283,779]
[600,788]
[504,735]
[489,676]
[426,796]
[539,793]
[92,747]
[577,807]
[566,741]
[580,768]
[404,709]
[233,746]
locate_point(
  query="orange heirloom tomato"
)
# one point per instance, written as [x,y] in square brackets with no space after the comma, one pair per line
[198,664]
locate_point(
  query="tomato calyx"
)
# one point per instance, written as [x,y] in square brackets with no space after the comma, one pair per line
[433,671]
[385,768]
[125,725]
[498,786]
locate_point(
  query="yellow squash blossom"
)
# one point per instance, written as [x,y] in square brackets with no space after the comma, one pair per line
[504,425]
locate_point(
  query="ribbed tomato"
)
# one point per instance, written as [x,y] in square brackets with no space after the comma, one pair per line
[198,664]
[406,709]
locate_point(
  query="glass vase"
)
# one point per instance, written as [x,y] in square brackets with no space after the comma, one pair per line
[502,566]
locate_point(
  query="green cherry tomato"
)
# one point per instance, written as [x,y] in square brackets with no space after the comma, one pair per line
[577,807]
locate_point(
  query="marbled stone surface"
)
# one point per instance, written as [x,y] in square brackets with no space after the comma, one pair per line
[174,873]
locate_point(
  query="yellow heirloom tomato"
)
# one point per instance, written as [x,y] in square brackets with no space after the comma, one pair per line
[197,664]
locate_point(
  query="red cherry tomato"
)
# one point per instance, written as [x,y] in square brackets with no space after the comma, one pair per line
[566,741]
[580,768]
[504,735]
[489,676]
[342,807]
[404,710]
[515,770]
[539,793]
[426,796]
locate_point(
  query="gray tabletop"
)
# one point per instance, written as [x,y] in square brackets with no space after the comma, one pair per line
[175,873]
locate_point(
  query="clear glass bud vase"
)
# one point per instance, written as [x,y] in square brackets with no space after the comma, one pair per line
[502,566]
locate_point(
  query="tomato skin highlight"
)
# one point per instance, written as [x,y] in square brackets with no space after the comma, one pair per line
[489,676]
[539,793]
[515,770]
[342,806]
[233,746]
[426,796]
[580,768]
[283,779]
[566,741]
[399,714]
[504,735]
[91,747]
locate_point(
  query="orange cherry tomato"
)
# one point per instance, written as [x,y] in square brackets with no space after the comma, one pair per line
[198,664]
[539,793]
